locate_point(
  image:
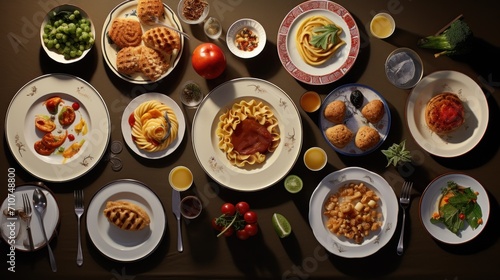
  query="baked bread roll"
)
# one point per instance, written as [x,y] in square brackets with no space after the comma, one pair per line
[373,111]
[127,60]
[162,39]
[153,63]
[125,32]
[150,8]
[126,215]
[444,113]
[366,138]
[335,111]
[339,135]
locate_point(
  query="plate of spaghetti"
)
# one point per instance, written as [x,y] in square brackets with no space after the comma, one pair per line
[318,42]
[247,134]
[153,125]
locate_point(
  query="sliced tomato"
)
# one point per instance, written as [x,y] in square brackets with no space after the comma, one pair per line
[52,104]
[54,141]
[44,123]
[43,150]
[67,115]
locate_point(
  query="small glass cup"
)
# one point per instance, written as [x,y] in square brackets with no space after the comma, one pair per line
[212,28]
[382,25]
[191,207]
[180,178]
[315,158]
[310,101]
[191,94]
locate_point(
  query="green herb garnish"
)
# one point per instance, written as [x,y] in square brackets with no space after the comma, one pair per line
[325,35]
[397,154]
[461,206]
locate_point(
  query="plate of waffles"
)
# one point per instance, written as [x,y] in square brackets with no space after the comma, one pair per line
[128,44]
[119,243]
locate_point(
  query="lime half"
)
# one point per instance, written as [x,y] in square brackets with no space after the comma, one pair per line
[281,225]
[293,183]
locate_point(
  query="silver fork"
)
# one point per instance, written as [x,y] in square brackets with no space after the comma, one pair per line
[404,201]
[156,20]
[79,209]
[27,217]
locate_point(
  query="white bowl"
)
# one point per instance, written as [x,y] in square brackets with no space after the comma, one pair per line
[53,54]
[255,27]
[188,21]
[428,205]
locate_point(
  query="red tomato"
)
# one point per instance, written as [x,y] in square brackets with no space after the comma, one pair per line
[227,209]
[242,234]
[75,106]
[251,229]
[71,137]
[52,104]
[229,231]
[250,217]
[208,60]
[242,207]
[42,149]
[216,226]
[54,141]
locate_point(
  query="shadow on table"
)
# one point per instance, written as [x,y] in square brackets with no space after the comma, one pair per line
[83,68]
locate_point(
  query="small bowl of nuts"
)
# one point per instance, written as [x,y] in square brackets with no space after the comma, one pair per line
[193,11]
[246,38]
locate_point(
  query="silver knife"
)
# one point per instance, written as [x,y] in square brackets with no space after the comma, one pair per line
[176,209]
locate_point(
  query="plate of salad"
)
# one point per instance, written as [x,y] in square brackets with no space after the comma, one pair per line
[454,208]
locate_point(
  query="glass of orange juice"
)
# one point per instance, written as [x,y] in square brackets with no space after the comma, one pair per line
[180,178]
[315,158]
[382,25]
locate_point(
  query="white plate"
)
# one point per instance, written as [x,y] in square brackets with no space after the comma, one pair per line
[329,186]
[50,218]
[123,245]
[354,119]
[21,132]
[339,64]
[255,27]
[109,50]
[464,138]
[127,132]
[277,163]
[429,205]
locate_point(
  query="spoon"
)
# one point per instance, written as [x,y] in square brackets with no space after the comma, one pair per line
[40,203]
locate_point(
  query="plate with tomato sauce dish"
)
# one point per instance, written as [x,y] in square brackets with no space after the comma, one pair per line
[274,104]
[57,127]
[430,201]
[338,64]
[127,122]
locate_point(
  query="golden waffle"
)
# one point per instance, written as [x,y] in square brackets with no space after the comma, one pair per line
[148,8]
[162,39]
[125,32]
[126,215]
[152,63]
[127,60]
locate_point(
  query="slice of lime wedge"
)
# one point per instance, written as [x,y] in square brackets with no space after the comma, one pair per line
[293,183]
[281,225]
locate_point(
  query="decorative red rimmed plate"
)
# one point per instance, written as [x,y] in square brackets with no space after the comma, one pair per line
[339,64]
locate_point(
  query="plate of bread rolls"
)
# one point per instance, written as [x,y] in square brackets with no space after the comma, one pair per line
[135,48]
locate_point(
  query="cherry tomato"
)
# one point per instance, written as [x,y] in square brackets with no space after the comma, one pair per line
[208,60]
[242,207]
[461,216]
[71,137]
[250,217]
[228,209]
[43,150]
[251,229]
[216,226]
[75,106]
[242,234]
[228,232]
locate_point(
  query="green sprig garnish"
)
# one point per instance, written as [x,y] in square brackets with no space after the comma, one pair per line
[324,35]
[397,154]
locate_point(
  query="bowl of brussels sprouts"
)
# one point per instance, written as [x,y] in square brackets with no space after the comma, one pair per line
[67,34]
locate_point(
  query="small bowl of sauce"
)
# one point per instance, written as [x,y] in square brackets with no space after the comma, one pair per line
[310,101]
[180,178]
[315,158]
[382,25]
[191,207]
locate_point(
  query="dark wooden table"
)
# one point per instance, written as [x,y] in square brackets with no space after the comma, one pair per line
[299,256]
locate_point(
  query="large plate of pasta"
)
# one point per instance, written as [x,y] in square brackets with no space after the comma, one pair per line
[386,209]
[299,23]
[248,98]
[139,143]
[59,150]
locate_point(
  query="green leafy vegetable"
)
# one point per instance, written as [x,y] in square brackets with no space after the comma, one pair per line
[461,207]
[397,154]
[325,35]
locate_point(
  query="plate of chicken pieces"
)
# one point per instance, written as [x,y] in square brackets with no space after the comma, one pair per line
[135,44]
